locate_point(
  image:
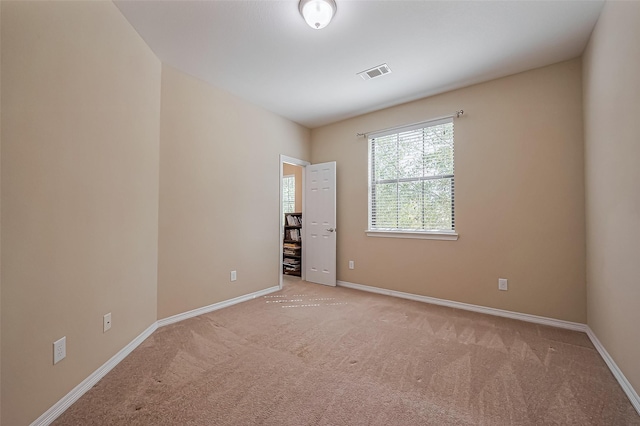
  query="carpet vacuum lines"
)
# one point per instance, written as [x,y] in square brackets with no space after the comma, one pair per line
[356,358]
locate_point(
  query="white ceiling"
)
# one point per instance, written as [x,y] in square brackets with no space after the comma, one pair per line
[264,52]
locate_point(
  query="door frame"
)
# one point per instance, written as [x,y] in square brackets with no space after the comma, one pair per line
[296,162]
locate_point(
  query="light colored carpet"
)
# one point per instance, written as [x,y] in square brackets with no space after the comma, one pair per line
[315,355]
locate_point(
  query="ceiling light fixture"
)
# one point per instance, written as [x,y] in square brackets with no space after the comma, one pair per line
[317,13]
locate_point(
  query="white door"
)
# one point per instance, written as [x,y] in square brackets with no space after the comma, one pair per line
[320,223]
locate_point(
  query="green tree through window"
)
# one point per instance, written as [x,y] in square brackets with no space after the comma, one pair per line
[412,178]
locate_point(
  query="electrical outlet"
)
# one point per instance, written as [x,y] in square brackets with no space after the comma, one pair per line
[502,284]
[234,276]
[352,264]
[59,350]
[106,322]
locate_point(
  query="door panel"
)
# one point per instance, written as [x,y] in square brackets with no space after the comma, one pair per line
[319,223]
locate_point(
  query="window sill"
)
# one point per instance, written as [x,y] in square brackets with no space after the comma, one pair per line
[425,235]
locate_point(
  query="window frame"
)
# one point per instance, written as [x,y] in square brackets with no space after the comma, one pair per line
[451,235]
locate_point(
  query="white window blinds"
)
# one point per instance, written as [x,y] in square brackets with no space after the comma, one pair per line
[412,178]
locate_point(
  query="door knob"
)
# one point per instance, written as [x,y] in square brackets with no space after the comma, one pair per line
[330,230]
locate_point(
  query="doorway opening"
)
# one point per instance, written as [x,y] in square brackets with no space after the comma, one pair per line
[291,249]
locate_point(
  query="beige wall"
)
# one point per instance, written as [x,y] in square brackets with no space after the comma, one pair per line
[219,184]
[519,197]
[80,147]
[290,169]
[612,152]
[81,179]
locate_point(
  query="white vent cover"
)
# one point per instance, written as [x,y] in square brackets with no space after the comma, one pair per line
[374,72]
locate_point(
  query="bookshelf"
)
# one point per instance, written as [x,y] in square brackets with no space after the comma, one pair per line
[292,244]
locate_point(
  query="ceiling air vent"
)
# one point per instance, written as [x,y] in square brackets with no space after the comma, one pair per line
[375,72]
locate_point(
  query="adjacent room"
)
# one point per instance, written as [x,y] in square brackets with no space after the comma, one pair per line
[319,212]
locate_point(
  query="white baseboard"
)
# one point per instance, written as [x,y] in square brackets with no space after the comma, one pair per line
[59,407]
[576,326]
[210,308]
[617,373]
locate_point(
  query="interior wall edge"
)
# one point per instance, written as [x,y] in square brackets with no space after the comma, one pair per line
[611,105]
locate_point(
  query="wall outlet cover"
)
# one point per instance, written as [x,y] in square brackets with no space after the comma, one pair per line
[59,350]
[234,276]
[106,322]
[502,284]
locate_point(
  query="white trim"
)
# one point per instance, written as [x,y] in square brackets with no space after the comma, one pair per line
[421,235]
[617,373]
[61,406]
[214,307]
[294,161]
[568,325]
[469,307]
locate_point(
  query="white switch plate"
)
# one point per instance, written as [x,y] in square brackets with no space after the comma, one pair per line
[234,276]
[59,349]
[502,284]
[351,264]
[106,322]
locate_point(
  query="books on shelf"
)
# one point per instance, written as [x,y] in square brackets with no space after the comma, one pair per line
[291,265]
[292,244]
[293,220]
[292,234]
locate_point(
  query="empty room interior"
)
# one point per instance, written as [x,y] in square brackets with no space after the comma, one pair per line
[458,243]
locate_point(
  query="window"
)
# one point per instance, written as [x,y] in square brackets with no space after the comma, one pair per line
[289,194]
[411,181]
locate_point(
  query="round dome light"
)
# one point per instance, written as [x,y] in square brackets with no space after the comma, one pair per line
[317,13]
